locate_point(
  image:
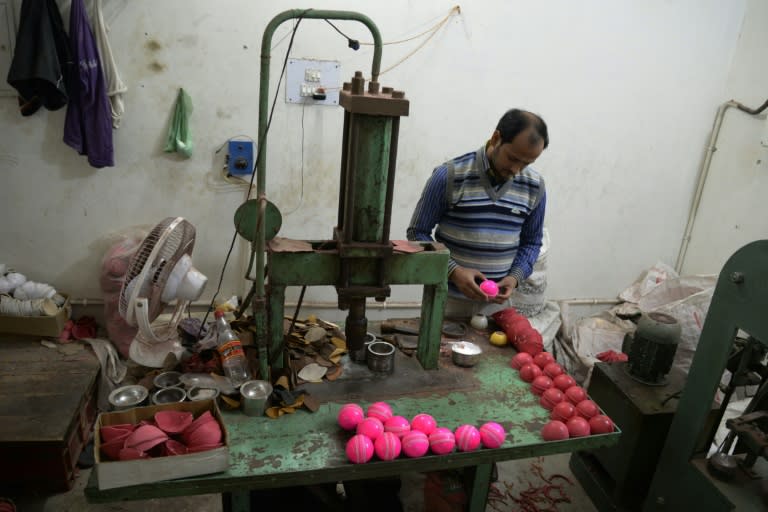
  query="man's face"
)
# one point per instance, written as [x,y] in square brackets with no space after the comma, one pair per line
[510,158]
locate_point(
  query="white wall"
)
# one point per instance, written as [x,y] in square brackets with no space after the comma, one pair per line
[628,90]
[733,209]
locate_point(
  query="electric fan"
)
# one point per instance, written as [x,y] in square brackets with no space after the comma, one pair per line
[160,272]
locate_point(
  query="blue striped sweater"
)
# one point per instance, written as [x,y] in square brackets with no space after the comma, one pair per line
[494,229]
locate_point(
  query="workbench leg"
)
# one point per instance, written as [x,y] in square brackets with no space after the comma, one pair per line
[431,325]
[479,481]
[276,312]
[236,501]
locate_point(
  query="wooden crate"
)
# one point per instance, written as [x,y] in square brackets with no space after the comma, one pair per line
[47,410]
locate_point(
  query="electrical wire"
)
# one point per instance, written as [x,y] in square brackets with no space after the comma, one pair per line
[354,44]
[301,195]
[258,158]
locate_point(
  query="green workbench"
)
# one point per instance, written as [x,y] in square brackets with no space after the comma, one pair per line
[308,448]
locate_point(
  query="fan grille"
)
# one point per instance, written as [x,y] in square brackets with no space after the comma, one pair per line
[176,237]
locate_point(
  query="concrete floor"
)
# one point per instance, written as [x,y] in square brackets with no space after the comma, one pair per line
[520,480]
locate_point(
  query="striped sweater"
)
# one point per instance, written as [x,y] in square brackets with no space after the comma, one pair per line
[494,229]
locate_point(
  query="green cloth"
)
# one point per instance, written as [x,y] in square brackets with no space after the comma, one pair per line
[179,134]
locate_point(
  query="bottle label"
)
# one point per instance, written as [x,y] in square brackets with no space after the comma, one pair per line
[230,350]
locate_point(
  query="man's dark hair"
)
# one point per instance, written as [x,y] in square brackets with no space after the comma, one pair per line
[515,121]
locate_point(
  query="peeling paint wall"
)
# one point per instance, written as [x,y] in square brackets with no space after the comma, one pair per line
[628,90]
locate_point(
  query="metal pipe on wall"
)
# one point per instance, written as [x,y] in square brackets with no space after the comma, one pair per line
[704,172]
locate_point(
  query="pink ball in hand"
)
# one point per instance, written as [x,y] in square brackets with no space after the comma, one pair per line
[490,288]
[359,449]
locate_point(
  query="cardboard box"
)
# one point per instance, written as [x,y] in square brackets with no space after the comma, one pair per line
[50,326]
[113,474]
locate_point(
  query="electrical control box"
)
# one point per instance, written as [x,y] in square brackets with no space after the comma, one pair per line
[240,157]
[313,82]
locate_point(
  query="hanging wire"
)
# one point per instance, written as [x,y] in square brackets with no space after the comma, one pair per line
[354,44]
[301,195]
[253,175]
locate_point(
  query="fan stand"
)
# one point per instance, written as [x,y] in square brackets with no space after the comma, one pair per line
[152,353]
[164,339]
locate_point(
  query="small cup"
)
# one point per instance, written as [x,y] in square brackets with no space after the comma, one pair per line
[381,357]
[169,396]
[167,380]
[255,395]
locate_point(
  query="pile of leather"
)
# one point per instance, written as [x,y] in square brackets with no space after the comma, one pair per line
[314,348]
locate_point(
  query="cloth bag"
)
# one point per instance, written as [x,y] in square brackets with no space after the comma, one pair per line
[179,135]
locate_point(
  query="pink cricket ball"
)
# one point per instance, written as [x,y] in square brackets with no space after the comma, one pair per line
[550,398]
[588,409]
[563,381]
[467,438]
[359,449]
[552,370]
[520,360]
[492,434]
[397,425]
[601,424]
[442,441]
[563,411]
[380,410]
[529,372]
[554,431]
[371,428]
[349,417]
[388,446]
[578,426]
[415,443]
[424,423]
[540,384]
[490,288]
[542,359]
[575,394]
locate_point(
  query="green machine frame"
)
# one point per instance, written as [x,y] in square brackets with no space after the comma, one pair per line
[740,301]
[360,260]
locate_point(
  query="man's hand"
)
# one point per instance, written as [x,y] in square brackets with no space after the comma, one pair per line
[506,287]
[466,280]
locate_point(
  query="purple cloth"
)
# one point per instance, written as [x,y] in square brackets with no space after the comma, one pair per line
[88,125]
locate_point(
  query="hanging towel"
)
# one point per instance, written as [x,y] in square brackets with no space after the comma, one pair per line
[115,85]
[42,65]
[179,134]
[88,125]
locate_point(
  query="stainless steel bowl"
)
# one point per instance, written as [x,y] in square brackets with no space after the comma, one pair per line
[466,353]
[168,396]
[167,380]
[126,397]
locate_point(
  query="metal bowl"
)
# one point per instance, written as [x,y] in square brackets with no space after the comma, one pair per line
[167,380]
[168,396]
[126,397]
[466,353]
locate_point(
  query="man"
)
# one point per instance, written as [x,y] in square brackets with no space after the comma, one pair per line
[488,207]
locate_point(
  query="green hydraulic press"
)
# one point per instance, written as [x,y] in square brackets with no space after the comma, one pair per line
[691,479]
[359,260]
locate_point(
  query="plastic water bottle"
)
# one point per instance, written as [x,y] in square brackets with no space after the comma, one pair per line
[233,359]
